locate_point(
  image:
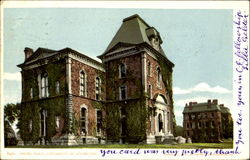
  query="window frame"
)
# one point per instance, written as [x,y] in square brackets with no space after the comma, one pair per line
[120,92]
[44,85]
[82,83]
[122,70]
[98,90]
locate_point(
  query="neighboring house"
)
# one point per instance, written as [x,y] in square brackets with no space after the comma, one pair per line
[207,122]
[69,98]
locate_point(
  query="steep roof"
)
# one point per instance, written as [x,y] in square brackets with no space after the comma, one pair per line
[134,30]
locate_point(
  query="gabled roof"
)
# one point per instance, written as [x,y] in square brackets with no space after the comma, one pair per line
[42,53]
[134,30]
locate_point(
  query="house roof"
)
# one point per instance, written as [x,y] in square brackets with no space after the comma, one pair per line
[205,107]
[225,109]
[201,107]
[134,30]
[42,53]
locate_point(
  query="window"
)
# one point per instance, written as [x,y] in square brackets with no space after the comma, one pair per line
[149,69]
[97,88]
[57,122]
[83,121]
[199,125]
[193,116]
[187,125]
[212,124]
[199,116]
[45,85]
[82,83]
[123,93]
[193,125]
[57,87]
[158,76]
[99,120]
[150,91]
[31,93]
[122,70]
[30,125]
[212,115]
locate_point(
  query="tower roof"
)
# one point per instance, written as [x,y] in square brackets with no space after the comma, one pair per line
[134,30]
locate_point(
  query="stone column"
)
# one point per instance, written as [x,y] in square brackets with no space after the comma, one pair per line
[144,74]
[69,104]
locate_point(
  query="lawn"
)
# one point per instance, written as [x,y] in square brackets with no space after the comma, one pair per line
[226,145]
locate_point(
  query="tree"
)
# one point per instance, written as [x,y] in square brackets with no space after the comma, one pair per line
[179,130]
[11,114]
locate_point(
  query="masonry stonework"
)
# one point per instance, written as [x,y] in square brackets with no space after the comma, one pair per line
[122,99]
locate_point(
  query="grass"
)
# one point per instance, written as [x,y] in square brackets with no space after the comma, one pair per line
[225,145]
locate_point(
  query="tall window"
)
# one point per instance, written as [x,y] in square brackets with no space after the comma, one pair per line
[31,93]
[99,120]
[123,93]
[82,83]
[122,70]
[150,91]
[45,85]
[57,87]
[57,118]
[158,76]
[149,69]
[97,88]
[30,125]
[83,121]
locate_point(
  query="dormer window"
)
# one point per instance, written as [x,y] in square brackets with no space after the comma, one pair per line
[45,85]
[122,70]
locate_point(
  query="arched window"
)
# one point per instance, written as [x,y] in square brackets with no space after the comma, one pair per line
[158,76]
[45,85]
[98,88]
[82,83]
[149,69]
[83,121]
[122,70]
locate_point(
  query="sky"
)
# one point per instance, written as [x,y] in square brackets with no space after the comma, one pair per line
[198,42]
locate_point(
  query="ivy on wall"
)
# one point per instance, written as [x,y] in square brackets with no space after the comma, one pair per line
[32,107]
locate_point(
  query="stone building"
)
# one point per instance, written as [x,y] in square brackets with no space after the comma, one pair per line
[207,122]
[70,98]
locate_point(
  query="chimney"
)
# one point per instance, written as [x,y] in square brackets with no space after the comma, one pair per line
[209,101]
[28,52]
[221,105]
[215,101]
[190,104]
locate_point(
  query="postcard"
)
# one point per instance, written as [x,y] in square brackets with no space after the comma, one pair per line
[124,80]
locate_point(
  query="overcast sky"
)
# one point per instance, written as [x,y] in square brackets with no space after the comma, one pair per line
[198,42]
